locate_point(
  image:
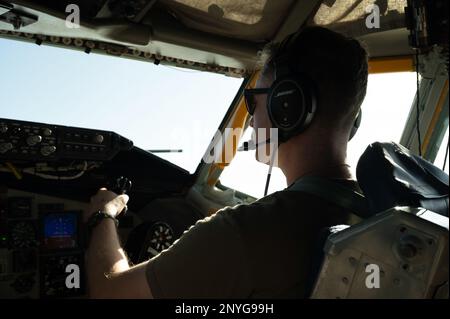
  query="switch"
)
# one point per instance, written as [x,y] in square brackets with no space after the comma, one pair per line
[48,150]
[47,132]
[34,139]
[5,147]
[99,139]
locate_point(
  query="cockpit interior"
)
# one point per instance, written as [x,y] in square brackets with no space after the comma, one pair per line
[50,167]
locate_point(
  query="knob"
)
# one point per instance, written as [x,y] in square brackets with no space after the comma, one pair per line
[410,246]
[407,250]
[48,150]
[47,132]
[5,147]
[34,139]
[3,128]
[99,139]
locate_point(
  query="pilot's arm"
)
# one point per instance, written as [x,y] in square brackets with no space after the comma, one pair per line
[208,261]
[108,272]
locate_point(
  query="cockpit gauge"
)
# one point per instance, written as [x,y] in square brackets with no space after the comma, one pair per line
[23,234]
[24,283]
[160,237]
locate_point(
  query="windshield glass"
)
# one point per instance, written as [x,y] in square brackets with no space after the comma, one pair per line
[157,107]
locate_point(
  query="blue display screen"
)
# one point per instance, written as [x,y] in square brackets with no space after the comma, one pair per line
[60,230]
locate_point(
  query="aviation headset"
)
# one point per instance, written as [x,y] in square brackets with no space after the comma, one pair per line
[292,98]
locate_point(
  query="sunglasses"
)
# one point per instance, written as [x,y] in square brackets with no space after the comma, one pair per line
[249,97]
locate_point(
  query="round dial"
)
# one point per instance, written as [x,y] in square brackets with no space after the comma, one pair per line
[23,235]
[23,283]
[160,238]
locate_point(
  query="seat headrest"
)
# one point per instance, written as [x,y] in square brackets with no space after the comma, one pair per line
[390,176]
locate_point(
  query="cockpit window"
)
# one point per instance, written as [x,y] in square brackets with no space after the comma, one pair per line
[384,114]
[340,11]
[158,107]
[248,12]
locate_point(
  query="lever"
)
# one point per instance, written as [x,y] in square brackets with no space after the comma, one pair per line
[121,186]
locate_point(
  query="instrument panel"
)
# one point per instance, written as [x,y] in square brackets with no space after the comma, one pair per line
[47,175]
[42,242]
[20,140]
[40,237]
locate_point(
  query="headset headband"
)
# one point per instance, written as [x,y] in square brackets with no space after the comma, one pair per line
[283,57]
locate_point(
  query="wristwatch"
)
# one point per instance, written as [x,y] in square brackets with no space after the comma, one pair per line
[94,220]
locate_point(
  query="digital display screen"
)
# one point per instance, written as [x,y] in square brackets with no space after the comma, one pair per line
[60,230]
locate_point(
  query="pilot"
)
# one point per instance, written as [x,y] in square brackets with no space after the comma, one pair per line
[265,249]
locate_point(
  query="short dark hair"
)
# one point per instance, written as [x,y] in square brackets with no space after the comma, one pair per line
[338,66]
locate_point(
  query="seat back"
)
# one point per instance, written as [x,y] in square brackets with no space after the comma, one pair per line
[400,253]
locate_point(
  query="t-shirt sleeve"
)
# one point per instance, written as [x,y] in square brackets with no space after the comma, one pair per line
[208,261]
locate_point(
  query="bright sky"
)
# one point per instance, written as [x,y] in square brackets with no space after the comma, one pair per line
[165,108]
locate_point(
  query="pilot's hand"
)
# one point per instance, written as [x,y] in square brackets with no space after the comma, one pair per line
[106,201]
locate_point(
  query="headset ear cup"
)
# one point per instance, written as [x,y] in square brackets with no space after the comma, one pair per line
[356,125]
[291,105]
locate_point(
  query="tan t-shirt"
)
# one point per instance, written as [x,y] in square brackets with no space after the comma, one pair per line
[262,250]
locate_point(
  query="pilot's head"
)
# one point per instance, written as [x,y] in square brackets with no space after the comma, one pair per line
[321,72]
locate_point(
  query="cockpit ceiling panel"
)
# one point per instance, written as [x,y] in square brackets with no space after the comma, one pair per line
[247,12]
[254,20]
[221,36]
